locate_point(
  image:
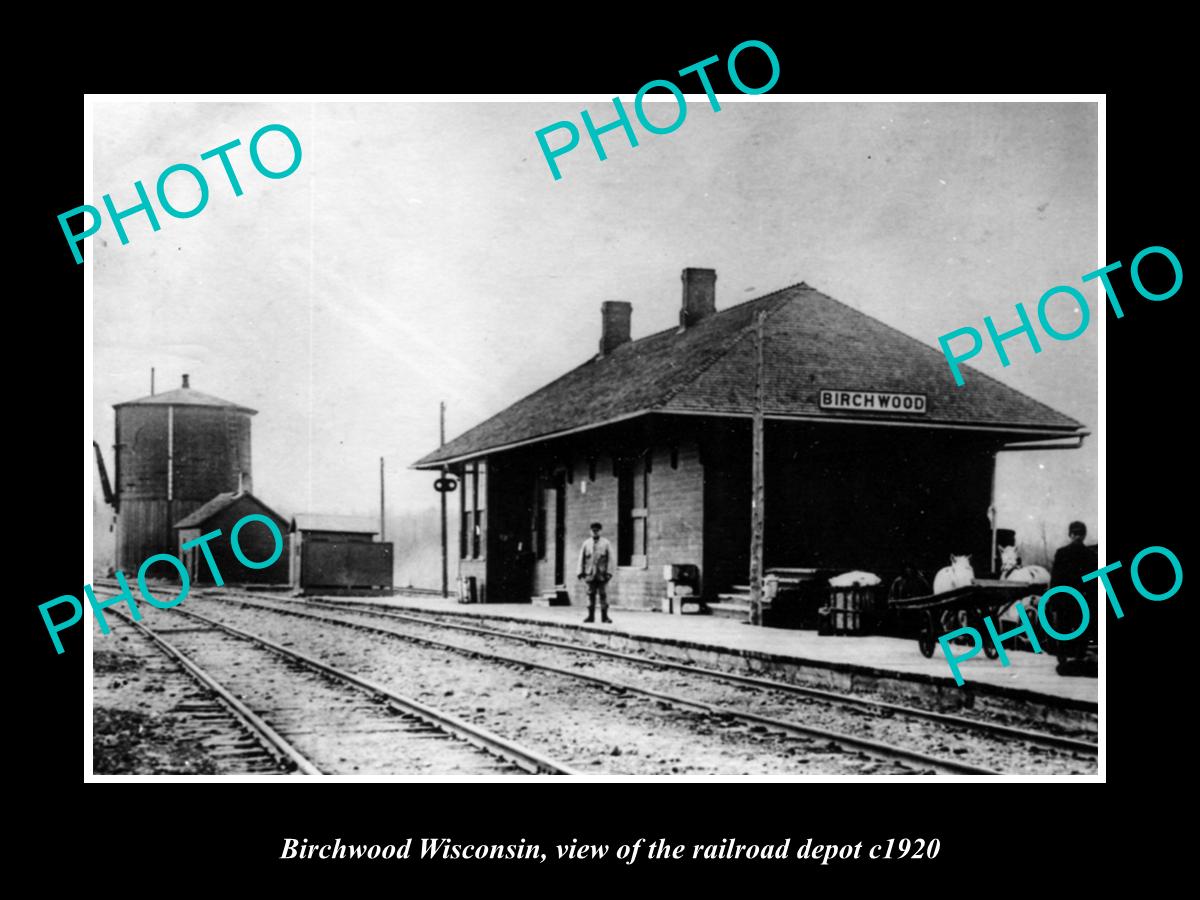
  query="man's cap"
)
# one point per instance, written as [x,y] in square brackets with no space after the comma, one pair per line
[596,525]
[1076,528]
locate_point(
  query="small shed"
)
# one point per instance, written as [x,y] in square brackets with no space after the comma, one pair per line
[254,539]
[334,553]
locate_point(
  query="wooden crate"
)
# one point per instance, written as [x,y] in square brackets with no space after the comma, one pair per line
[850,610]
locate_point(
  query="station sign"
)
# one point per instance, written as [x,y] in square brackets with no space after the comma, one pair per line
[873,401]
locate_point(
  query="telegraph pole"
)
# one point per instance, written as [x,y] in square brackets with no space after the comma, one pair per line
[445,549]
[757,489]
[382,526]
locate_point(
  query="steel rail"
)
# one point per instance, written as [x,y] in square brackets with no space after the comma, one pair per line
[510,751]
[995,728]
[277,745]
[888,750]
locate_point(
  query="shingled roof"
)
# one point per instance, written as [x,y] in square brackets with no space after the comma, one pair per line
[185,397]
[220,503]
[812,343]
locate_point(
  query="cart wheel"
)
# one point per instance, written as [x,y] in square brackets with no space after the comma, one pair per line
[989,649]
[925,641]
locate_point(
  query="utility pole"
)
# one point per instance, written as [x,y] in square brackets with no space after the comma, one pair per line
[445,549]
[756,488]
[382,523]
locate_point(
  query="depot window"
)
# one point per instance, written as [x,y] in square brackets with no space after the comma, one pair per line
[474,511]
[633,489]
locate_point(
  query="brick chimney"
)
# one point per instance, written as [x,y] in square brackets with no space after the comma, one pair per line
[614,325]
[185,381]
[699,296]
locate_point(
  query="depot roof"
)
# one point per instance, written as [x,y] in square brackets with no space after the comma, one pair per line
[812,343]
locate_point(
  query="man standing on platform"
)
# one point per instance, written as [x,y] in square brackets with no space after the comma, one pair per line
[595,563]
[1071,563]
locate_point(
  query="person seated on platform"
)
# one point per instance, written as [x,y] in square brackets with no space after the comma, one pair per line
[1010,619]
[909,583]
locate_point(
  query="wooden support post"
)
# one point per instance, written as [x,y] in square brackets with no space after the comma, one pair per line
[445,471]
[992,518]
[170,536]
[757,487]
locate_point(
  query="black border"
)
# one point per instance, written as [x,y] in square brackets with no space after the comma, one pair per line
[216,829]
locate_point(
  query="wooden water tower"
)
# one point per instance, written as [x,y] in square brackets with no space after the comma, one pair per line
[175,451]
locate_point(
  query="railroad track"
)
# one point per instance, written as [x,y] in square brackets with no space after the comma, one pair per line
[891,752]
[223,729]
[1041,738]
[309,723]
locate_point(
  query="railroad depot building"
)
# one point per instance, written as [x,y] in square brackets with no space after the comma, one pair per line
[873,457]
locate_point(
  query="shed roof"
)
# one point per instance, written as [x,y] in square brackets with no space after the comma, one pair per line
[198,517]
[329,522]
[812,343]
[185,397]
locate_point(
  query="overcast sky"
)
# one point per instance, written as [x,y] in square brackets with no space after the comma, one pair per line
[422,251]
